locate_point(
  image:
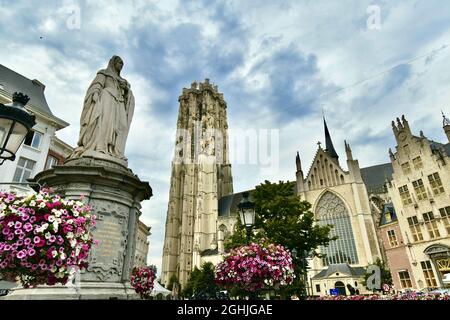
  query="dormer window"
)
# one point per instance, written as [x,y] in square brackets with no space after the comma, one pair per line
[388,217]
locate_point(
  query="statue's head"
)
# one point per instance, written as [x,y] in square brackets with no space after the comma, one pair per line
[116,63]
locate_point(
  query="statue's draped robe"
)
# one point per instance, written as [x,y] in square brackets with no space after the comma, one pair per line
[105,123]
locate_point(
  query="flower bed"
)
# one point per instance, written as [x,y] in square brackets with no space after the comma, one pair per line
[409,296]
[142,280]
[255,267]
[43,238]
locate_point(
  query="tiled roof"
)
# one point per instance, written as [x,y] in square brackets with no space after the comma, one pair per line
[209,252]
[375,176]
[11,81]
[341,268]
[228,204]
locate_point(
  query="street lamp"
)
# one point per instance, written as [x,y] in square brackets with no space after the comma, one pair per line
[247,214]
[15,124]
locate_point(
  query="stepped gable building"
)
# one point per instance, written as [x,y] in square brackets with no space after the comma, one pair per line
[417,237]
[201,174]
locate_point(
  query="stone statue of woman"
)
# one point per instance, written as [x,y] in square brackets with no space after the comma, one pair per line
[107,113]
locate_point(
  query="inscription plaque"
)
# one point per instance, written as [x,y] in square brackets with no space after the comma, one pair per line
[110,237]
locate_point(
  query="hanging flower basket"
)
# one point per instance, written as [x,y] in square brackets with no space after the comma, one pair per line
[142,280]
[256,267]
[43,238]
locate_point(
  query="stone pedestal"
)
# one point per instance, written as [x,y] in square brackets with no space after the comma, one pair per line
[115,194]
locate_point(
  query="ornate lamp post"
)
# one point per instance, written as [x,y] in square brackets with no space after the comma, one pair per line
[15,124]
[247,214]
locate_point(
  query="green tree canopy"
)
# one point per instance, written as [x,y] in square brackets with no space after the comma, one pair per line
[201,282]
[173,280]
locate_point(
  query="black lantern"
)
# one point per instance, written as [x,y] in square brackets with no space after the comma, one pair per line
[247,213]
[15,124]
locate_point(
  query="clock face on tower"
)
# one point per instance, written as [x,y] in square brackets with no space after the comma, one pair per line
[402,135]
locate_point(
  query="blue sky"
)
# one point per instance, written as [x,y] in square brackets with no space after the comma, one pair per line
[278,63]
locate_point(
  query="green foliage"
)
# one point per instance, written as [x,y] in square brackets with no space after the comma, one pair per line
[282,218]
[173,281]
[201,282]
[386,276]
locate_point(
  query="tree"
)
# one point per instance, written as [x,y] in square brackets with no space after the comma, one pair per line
[173,281]
[201,284]
[385,275]
[282,218]
[188,290]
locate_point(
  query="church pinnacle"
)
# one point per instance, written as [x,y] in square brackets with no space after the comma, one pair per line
[329,143]
[446,125]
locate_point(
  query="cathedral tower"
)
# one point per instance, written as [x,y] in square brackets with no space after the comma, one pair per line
[201,174]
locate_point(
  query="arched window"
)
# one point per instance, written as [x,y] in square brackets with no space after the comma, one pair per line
[331,210]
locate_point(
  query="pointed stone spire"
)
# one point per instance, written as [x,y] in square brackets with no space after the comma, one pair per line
[446,125]
[329,143]
[298,163]
[348,151]
[391,154]
[299,175]
[445,121]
